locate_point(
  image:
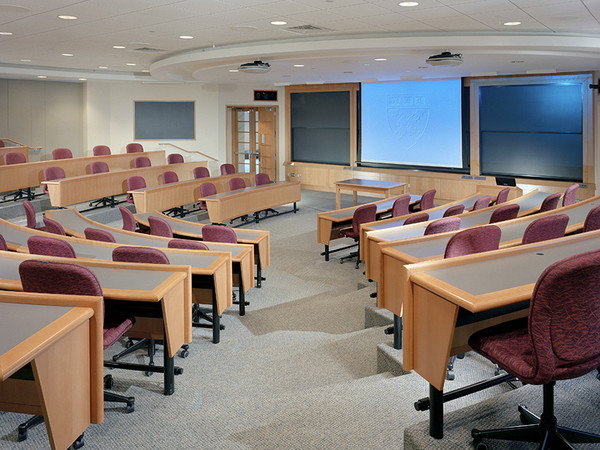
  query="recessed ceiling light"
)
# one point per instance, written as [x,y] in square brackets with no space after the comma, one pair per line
[82,79]
[5,33]
[186,37]
[102,67]
[25,60]
[511,24]
[68,17]
[145,71]
[233,70]
[131,64]
[278,22]
[118,46]
[42,76]
[380,59]
[408,4]
[67,54]
[298,65]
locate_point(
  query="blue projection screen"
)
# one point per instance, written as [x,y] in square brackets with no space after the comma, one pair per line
[415,123]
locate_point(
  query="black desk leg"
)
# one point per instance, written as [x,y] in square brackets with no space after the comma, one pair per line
[169,369]
[258,276]
[216,320]
[436,413]
[397,332]
[326,252]
[242,297]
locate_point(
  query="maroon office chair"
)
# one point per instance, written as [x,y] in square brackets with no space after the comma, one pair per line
[50,246]
[160,227]
[592,220]
[400,206]
[52,226]
[146,255]
[236,183]
[174,158]
[99,167]
[30,215]
[188,244]
[227,169]
[53,173]
[546,228]
[134,147]
[443,225]
[505,212]
[550,202]
[142,161]
[570,193]
[454,210]
[129,222]
[3,245]
[14,158]
[169,177]
[101,150]
[206,190]
[53,277]
[61,153]
[416,218]
[133,183]
[363,214]
[218,233]
[427,200]
[201,172]
[557,341]
[502,196]
[473,240]
[482,202]
[95,234]
[1,143]
[261,179]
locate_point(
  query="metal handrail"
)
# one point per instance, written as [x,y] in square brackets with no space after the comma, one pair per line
[188,151]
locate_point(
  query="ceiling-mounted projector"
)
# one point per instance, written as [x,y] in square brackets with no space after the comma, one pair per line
[255,67]
[445,59]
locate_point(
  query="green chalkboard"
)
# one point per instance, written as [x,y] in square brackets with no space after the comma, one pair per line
[164,120]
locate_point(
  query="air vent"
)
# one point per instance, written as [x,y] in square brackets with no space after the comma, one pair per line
[147,50]
[306,29]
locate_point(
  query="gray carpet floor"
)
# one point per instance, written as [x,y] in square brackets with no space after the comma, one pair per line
[298,371]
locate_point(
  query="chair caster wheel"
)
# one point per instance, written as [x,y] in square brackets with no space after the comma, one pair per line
[450,375]
[178,370]
[78,443]
[184,353]
[129,344]
[130,405]
[22,435]
[148,373]
[108,382]
[478,445]
[497,371]
[460,356]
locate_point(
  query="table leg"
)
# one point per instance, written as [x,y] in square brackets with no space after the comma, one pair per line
[397,332]
[436,413]
[169,365]
[354,197]
[216,319]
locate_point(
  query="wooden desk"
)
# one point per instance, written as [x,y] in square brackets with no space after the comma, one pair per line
[385,188]
[160,295]
[21,149]
[229,205]
[31,174]
[330,223]
[435,291]
[166,196]
[84,188]
[51,361]
[371,253]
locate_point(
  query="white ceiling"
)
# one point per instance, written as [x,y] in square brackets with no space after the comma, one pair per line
[554,35]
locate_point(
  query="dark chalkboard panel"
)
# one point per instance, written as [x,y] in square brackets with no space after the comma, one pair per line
[320,123]
[164,120]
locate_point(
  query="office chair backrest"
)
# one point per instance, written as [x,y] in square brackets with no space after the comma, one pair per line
[201,172]
[550,202]
[416,218]
[134,147]
[95,234]
[443,225]
[133,183]
[146,255]
[502,196]
[101,150]
[129,222]
[30,214]
[52,226]
[363,214]
[3,245]
[592,220]
[454,210]
[169,177]
[54,277]
[482,202]
[206,190]
[53,173]
[505,212]
[61,153]
[473,240]
[174,158]
[44,245]
[160,227]
[99,167]
[570,193]
[400,206]
[427,199]
[218,233]
[187,244]
[14,158]
[237,183]
[142,161]
[261,179]
[1,143]
[227,169]
[546,228]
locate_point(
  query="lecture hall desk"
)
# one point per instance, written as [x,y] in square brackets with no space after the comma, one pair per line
[229,205]
[84,188]
[162,292]
[488,283]
[31,174]
[385,188]
[51,361]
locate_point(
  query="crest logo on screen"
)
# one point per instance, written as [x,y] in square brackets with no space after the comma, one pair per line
[408,117]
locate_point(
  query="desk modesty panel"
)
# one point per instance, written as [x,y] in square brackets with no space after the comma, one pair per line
[385,188]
